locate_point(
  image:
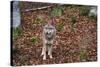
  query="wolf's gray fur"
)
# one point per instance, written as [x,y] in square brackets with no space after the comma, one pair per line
[49,33]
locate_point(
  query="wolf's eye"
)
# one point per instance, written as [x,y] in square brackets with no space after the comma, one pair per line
[50,28]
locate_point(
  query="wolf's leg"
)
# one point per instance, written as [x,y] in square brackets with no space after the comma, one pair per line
[44,53]
[50,51]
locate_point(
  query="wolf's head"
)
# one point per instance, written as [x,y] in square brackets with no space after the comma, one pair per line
[49,31]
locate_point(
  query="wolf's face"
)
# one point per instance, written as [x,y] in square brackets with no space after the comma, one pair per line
[49,31]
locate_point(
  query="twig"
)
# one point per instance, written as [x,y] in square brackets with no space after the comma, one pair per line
[33,9]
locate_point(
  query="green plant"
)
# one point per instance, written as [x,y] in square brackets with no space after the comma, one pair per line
[73,20]
[34,40]
[83,55]
[59,26]
[39,20]
[57,11]
[84,10]
[16,32]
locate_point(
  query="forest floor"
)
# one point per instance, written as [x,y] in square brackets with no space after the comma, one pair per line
[74,42]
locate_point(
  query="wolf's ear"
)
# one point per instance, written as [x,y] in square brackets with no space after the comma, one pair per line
[52,22]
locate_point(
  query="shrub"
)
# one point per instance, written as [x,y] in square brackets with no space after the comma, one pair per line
[83,55]
[34,40]
[16,32]
[59,26]
[57,11]
[73,21]
[39,20]
[84,10]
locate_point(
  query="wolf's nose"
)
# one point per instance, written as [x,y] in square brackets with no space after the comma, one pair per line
[48,32]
